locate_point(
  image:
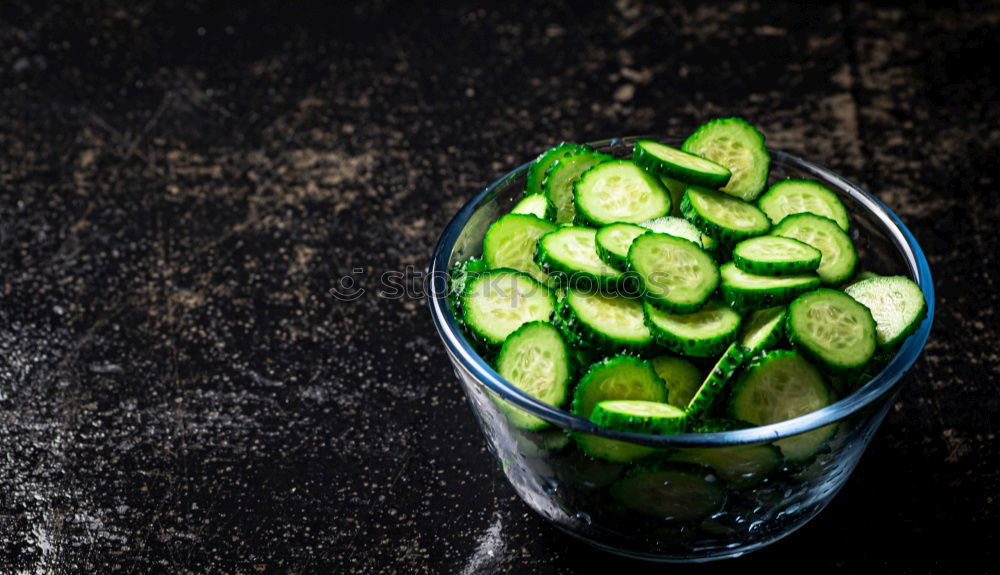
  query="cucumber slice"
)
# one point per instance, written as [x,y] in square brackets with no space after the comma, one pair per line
[896,303]
[704,333]
[536,360]
[762,330]
[803,197]
[569,256]
[510,243]
[681,377]
[677,227]
[614,241]
[620,377]
[670,162]
[740,466]
[775,256]
[639,416]
[839,257]
[498,302]
[674,274]
[832,329]
[603,322]
[724,369]
[735,144]
[861,276]
[671,493]
[779,386]
[725,218]
[544,443]
[536,205]
[676,189]
[743,290]
[541,165]
[458,278]
[619,191]
[562,177]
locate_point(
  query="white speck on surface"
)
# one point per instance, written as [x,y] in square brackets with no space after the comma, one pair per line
[488,552]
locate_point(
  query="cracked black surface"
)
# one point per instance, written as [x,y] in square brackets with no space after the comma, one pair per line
[181,184]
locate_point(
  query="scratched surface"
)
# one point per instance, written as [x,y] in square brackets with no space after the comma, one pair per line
[181,185]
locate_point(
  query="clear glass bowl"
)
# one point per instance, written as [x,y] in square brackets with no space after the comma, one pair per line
[746,498]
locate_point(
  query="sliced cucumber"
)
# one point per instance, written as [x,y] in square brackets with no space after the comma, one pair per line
[782,385]
[614,241]
[562,178]
[544,443]
[803,197]
[896,303]
[669,162]
[743,290]
[718,425]
[541,165]
[458,278]
[861,276]
[619,191]
[740,466]
[498,302]
[735,144]
[673,492]
[510,243]
[638,416]
[710,389]
[536,205]
[681,377]
[569,256]
[775,256]
[677,227]
[704,333]
[839,257]
[620,377]
[674,274]
[832,329]
[603,322]
[762,329]
[725,218]
[536,360]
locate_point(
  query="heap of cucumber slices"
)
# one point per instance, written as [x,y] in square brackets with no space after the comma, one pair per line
[671,293]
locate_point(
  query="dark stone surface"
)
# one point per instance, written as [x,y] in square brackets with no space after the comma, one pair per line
[181,185]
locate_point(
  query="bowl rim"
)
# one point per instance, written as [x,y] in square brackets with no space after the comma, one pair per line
[462,353]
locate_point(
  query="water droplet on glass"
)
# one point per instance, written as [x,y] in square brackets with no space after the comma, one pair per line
[583,517]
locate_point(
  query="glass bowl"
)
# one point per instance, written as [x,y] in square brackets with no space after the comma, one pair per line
[719,494]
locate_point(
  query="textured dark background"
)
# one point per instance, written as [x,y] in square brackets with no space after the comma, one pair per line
[181,185]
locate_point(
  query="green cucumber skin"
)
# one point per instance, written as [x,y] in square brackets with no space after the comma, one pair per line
[538,168]
[651,162]
[771,339]
[839,212]
[589,159]
[709,498]
[723,371]
[857,290]
[515,415]
[478,336]
[786,229]
[788,267]
[634,423]
[566,276]
[590,338]
[746,299]
[584,218]
[705,347]
[805,347]
[727,237]
[762,159]
[663,302]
